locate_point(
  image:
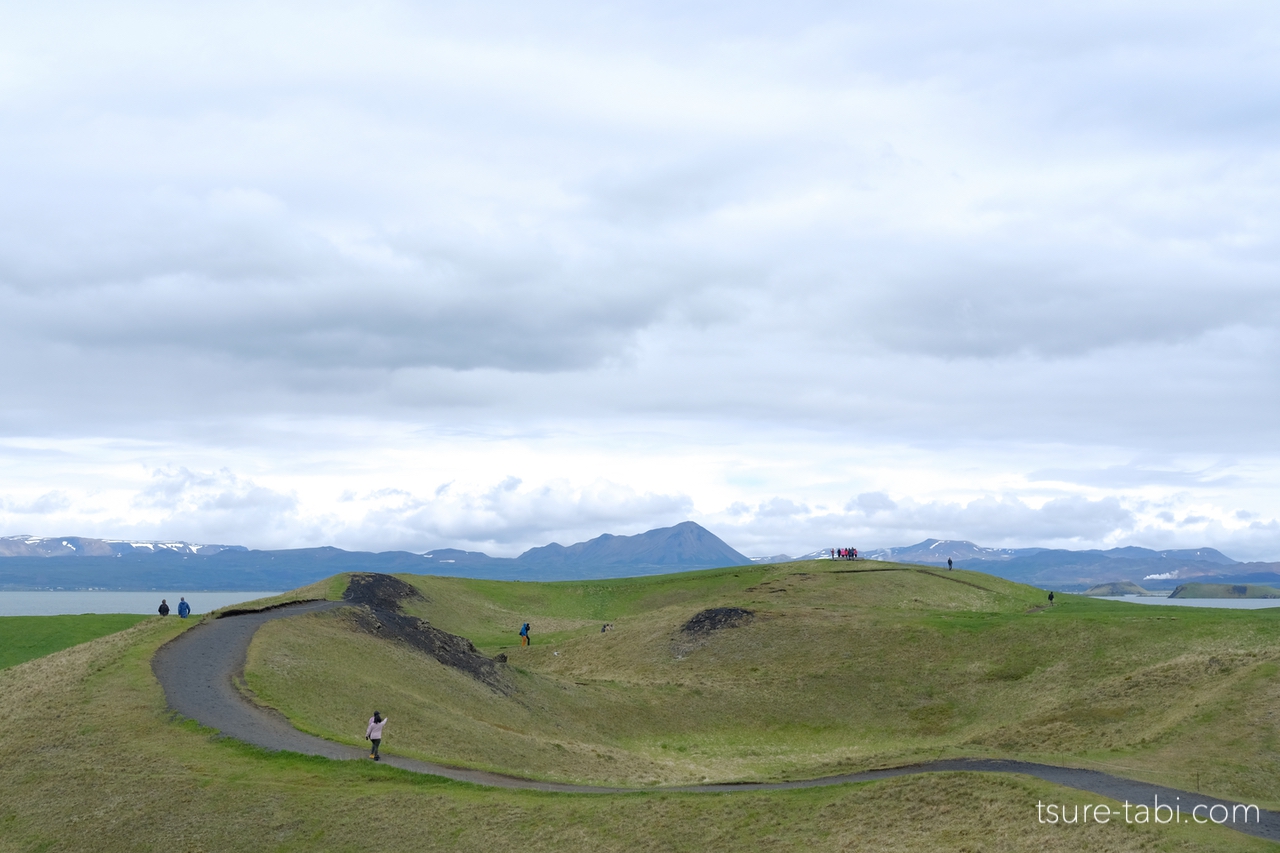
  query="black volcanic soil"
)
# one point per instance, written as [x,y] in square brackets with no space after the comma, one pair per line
[379,596]
[715,619]
[449,649]
[380,592]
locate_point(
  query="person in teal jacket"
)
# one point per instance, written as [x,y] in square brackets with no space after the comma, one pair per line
[184,609]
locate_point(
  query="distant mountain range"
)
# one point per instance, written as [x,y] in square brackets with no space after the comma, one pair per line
[72,562]
[1078,570]
[80,546]
[938,550]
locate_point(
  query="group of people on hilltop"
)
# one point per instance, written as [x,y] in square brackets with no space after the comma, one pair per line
[844,553]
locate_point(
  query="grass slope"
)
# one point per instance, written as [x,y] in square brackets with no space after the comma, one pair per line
[91,760]
[23,638]
[841,670]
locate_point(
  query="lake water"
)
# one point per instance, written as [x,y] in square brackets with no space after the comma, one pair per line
[1227,603]
[69,602]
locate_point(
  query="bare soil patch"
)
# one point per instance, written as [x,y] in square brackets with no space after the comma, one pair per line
[715,619]
[379,597]
[450,649]
[380,592]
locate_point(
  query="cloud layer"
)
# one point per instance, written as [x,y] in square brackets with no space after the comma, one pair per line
[914,233]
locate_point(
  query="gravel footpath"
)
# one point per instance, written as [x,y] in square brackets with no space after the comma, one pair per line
[197,671]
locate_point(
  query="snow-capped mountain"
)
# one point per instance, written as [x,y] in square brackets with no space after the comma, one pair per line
[80,546]
[939,550]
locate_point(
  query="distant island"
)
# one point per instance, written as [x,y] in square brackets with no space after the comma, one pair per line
[1116,588]
[1225,590]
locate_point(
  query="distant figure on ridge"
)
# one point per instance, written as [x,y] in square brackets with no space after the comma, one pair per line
[184,609]
[373,734]
[164,607]
[524,634]
[948,564]
[1051,598]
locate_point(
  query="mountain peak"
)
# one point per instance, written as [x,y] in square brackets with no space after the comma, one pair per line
[686,545]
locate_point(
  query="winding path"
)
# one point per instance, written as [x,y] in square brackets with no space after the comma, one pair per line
[197,671]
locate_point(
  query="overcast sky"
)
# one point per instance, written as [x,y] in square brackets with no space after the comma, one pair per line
[387,275]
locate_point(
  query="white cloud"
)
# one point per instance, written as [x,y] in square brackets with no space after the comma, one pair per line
[1001,272]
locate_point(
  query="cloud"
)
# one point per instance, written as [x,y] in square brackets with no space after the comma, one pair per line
[1134,475]
[872,502]
[876,520]
[505,519]
[978,242]
[46,504]
[217,507]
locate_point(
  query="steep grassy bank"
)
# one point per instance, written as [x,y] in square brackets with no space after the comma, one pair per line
[840,669]
[90,760]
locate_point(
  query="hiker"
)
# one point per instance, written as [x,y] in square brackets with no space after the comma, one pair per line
[1051,598]
[524,634]
[373,734]
[164,607]
[855,553]
[184,609]
[948,564]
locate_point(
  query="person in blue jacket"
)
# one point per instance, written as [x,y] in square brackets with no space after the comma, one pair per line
[184,609]
[524,634]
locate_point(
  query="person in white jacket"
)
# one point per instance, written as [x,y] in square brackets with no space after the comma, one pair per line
[373,734]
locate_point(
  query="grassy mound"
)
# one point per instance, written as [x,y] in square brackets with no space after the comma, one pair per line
[836,670]
[91,760]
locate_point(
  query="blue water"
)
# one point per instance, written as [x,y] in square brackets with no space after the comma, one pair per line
[1228,603]
[60,602]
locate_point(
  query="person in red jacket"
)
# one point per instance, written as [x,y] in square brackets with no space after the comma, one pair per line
[373,734]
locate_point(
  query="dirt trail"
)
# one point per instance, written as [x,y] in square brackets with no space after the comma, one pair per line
[197,669]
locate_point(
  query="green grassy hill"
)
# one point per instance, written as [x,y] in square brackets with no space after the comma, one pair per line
[835,670]
[840,669]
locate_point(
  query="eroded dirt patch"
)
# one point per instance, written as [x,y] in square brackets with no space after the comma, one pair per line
[449,649]
[379,597]
[381,592]
[715,619]
[697,632]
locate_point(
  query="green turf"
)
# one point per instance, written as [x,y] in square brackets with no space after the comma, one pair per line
[23,638]
[91,760]
[841,670]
